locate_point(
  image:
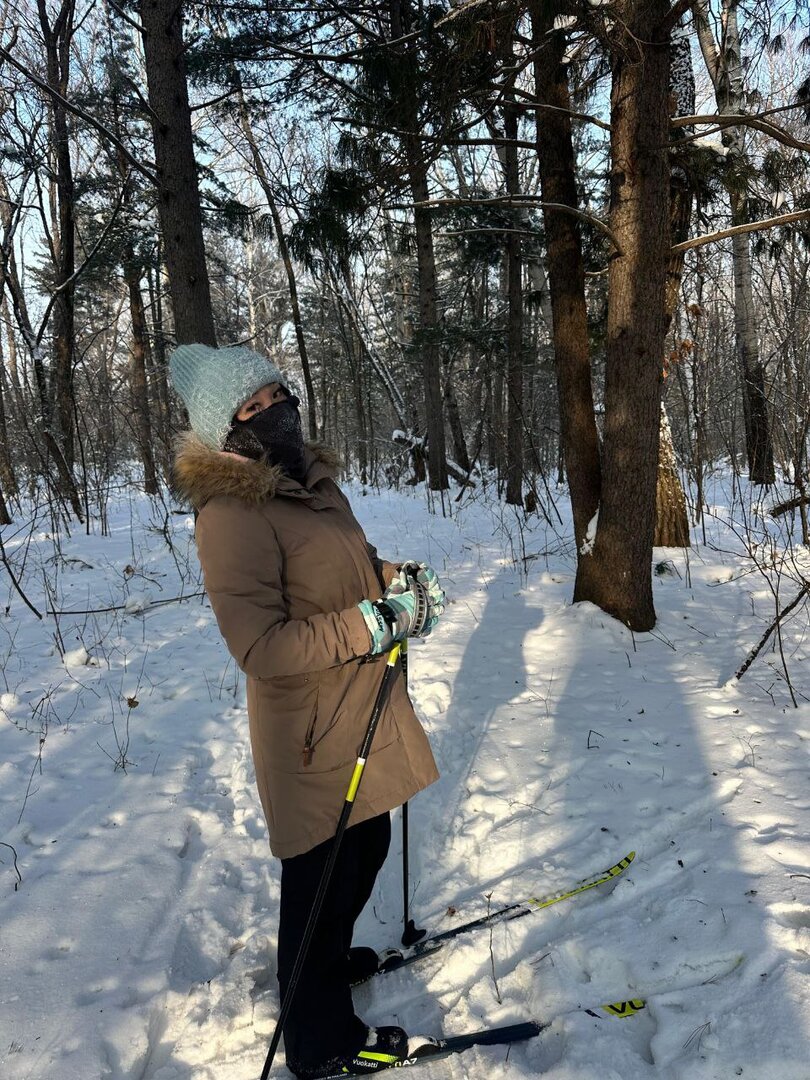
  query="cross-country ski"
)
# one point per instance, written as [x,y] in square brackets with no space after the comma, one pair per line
[393,959]
[421,1050]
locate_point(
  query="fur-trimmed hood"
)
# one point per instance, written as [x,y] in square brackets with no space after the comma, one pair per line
[201,473]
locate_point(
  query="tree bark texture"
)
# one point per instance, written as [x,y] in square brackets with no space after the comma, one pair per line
[616,574]
[362,442]
[671,518]
[566,277]
[178,191]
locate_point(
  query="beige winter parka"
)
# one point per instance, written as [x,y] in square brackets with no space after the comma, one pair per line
[285,566]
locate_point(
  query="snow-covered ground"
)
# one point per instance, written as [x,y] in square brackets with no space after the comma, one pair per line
[139,944]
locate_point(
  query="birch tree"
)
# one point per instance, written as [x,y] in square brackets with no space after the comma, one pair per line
[723,58]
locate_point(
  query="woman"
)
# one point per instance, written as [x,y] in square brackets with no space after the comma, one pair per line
[293,581]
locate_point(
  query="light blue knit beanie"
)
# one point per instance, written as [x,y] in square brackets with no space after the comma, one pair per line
[213,383]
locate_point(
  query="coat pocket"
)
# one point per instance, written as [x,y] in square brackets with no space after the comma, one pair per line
[287,708]
[345,701]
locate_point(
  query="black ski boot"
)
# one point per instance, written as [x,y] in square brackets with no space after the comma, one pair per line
[386,1048]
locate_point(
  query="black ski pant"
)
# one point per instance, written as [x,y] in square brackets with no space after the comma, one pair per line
[322,1024]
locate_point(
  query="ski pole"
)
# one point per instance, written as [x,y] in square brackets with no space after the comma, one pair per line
[410,935]
[323,884]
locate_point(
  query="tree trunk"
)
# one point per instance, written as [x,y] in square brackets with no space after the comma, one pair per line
[496,435]
[758,436]
[137,372]
[514,333]
[671,518]
[672,521]
[724,63]
[10,285]
[13,366]
[616,574]
[58,42]
[429,327]
[429,323]
[156,358]
[355,355]
[8,479]
[283,249]
[566,277]
[454,420]
[361,442]
[178,191]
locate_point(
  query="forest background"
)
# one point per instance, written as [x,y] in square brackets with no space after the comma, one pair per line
[512,255]
[517,244]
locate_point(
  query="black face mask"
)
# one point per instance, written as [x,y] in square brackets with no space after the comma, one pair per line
[274,432]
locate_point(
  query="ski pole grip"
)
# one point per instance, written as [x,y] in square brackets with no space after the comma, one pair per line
[420,617]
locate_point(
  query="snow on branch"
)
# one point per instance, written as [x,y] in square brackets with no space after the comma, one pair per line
[724,120]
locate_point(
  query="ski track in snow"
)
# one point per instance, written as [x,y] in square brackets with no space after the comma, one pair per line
[141,942]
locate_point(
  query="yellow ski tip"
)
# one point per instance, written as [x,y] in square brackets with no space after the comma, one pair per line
[623,1009]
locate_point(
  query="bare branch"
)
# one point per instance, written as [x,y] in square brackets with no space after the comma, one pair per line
[15,582]
[123,607]
[725,120]
[751,226]
[126,17]
[791,504]
[13,851]
[773,626]
[528,101]
[80,270]
[461,10]
[673,16]
[105,131]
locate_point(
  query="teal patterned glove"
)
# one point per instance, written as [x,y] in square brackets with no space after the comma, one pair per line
[390,619]
[426,577]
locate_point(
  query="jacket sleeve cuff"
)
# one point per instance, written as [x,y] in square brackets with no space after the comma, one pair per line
[359,637]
